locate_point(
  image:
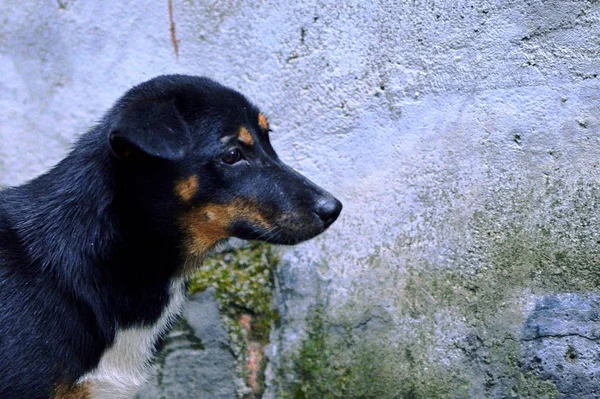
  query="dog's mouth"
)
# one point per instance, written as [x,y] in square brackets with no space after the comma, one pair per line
[288,228]
[276,234]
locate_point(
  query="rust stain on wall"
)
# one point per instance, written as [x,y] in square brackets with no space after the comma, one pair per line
[174,39]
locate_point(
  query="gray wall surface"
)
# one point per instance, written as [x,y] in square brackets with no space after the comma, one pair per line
[463,138]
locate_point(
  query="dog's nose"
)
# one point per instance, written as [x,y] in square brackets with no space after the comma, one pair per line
[328,210]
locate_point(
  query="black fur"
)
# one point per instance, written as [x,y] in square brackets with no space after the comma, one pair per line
[92,245]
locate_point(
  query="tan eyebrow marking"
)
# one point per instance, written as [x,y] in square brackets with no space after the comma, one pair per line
[245,137]
[263,122]
[187,188]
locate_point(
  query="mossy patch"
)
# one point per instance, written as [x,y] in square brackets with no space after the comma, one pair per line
[490,304]
[332,365]
[244,281]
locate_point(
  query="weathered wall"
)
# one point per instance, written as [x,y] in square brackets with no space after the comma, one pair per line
[462,137]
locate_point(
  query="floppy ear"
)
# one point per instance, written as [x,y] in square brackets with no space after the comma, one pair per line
[151,127]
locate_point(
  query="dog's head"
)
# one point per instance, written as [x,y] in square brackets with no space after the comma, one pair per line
[197,155]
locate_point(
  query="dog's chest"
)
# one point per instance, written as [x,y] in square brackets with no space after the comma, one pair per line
[126,365]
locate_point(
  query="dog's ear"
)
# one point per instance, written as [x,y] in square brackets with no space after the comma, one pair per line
[150,127]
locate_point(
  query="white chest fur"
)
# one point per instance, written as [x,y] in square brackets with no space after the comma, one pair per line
[126,365]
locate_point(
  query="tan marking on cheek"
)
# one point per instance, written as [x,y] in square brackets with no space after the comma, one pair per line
[207,225]
[245,137]
[187,188]
[263,122]
[79,391]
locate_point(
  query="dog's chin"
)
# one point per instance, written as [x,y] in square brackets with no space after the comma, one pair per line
[279,235]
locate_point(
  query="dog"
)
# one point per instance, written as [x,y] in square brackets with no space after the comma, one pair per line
[95,253]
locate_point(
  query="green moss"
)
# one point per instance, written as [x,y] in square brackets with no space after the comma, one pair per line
[243,279]
[332,365]
[490,303]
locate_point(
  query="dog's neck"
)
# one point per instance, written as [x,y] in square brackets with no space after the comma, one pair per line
[107,254]
[69,201]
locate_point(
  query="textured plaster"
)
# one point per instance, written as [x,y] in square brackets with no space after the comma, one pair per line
[462,137]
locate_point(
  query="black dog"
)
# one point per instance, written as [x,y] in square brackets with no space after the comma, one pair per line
[94,254]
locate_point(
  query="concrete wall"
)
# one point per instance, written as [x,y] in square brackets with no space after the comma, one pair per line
[462,137]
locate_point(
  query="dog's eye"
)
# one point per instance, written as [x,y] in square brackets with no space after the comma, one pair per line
[232,156]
